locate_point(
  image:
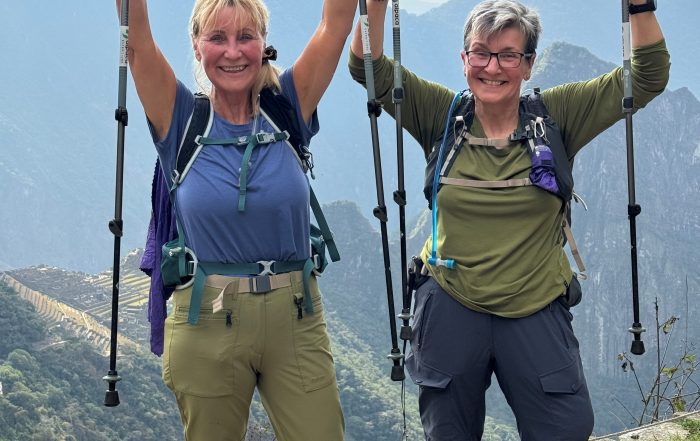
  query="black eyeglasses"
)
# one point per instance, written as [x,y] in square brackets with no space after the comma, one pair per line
[505,59]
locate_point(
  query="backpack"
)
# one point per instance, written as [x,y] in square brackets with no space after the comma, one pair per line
[179,266]
[551,168]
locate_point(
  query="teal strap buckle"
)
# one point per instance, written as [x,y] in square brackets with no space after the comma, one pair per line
[265,138]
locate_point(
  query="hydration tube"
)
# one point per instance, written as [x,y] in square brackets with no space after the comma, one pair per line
[433,259]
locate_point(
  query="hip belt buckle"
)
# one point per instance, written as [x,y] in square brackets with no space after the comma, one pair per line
[259,284]
[266,267]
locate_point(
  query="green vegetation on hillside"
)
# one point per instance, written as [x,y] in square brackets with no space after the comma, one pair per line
[52,387]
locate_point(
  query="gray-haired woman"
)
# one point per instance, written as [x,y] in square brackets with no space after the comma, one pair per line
[500,286]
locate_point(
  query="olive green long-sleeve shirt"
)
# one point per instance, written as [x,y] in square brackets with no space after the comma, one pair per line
[507,243]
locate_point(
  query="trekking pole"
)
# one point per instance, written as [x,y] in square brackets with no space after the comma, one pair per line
[400,194]
[116,224]
[633,209]
[374,109]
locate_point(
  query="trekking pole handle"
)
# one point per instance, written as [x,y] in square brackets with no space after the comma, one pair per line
[627,101]
[397,93]
[367,51]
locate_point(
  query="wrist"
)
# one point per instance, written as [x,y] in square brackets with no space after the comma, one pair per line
[639,6]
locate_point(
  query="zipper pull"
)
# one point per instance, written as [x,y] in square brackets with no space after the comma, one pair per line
[298,300]
[229,320]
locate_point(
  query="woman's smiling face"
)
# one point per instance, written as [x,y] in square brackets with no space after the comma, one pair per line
[230,49]
[492,84]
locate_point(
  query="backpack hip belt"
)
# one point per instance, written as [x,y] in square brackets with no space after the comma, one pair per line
[249,285]
[263,278]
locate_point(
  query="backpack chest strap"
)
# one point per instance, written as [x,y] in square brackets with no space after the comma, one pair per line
[465,136]
[499,143]
[523,182]
[250,142]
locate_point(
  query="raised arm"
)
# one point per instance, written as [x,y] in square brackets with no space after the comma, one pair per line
[645,29]
[314,68]
[376,10]
[154,78]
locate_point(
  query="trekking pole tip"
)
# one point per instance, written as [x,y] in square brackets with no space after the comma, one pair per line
[112,398]
[637,347]
[406,332]
[637,343]
[397,373]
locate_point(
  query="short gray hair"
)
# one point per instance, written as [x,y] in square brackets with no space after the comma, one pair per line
[493,16]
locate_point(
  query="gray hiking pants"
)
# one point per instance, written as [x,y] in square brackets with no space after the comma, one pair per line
[455,350]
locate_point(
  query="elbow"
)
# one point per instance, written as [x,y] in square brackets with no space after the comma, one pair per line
[344,26]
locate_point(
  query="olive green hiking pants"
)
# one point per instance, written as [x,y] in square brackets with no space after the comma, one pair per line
[257,340]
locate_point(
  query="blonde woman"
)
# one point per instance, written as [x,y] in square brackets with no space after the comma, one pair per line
[255,339]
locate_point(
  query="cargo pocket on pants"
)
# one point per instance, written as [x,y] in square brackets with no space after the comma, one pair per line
[198,359]
[312,346]
[565,380]
[427,376]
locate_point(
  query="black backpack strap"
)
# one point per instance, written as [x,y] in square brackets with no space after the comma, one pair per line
[198,125]
[534,103]
[282,115]
[464,109]
[461,120]
[280,110]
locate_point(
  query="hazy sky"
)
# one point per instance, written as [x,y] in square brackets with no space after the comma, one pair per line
[419,6]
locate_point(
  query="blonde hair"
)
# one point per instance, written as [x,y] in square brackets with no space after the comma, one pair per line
[204,13]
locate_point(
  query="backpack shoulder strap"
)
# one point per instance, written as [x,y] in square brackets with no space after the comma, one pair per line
[533,103]
[465,109]
[198,125]
[460,122]
[280,113]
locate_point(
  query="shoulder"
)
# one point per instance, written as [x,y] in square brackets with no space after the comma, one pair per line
[184,105]
[290,101]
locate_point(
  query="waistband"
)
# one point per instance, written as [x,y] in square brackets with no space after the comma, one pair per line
[252,285]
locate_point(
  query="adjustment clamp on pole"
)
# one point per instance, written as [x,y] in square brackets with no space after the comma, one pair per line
[122,115]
